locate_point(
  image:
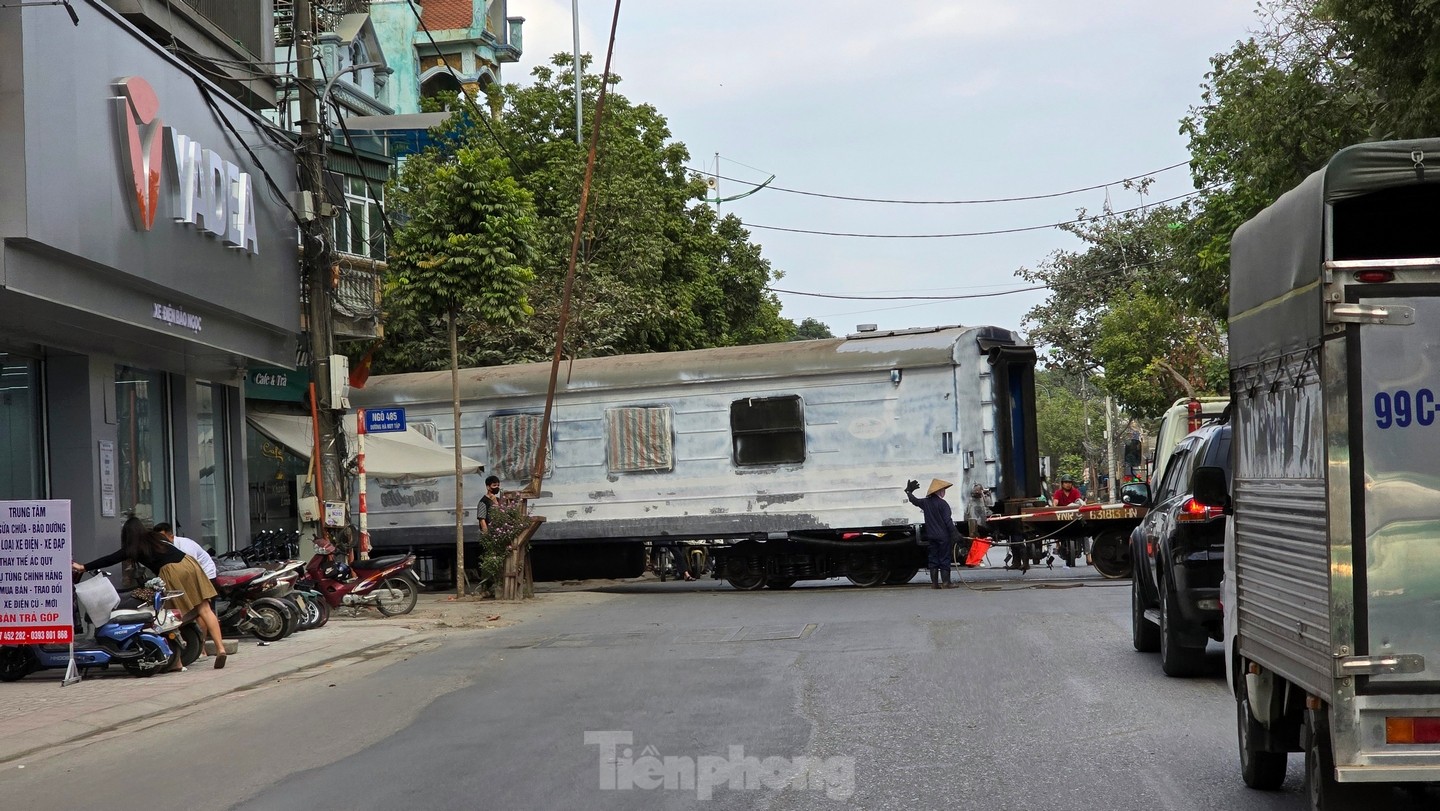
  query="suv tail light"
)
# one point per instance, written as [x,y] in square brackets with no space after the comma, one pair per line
[1193,511]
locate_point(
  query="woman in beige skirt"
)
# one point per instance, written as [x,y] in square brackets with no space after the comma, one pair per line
[180,572]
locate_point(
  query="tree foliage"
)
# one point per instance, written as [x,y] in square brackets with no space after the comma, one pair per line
[810,329]
[658,269]
[1391,44]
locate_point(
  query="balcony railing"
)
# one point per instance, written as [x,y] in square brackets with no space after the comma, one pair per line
[357,300]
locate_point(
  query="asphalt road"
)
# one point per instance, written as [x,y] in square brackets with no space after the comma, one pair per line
[680,695]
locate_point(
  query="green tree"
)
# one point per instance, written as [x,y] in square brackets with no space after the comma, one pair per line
[1060,419]
[1273,109]
[658,269]
[1154,350]
[466,243]
[810,329]
[1391,44]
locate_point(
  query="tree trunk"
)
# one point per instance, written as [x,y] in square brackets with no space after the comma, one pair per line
[518,581]
[459,474]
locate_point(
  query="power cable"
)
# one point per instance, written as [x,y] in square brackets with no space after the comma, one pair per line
[275,190]
[943,202]
[370,187]
[474,108]
[1075,221]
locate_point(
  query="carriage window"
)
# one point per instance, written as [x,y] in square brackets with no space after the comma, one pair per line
[514,440]
[768,430]
[639,439]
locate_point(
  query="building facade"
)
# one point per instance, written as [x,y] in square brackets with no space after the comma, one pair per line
[148,258]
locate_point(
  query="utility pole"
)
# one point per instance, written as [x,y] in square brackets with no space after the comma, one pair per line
[316,269]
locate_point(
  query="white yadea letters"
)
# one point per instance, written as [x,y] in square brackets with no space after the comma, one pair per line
[205,190]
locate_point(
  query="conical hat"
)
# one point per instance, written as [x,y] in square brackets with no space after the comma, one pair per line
[936,485]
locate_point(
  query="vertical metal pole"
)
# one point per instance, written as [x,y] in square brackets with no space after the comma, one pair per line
[315,255]
[575,24]
[360,474]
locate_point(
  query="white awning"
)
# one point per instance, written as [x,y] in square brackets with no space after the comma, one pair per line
[406,454]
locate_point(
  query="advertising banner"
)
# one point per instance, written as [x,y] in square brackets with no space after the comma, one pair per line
[35,584]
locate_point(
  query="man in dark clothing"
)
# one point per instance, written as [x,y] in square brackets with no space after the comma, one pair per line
[488,501]
[940,531]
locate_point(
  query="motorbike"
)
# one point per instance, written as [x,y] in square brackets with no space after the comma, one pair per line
[243,607]
[129,637]
[387,583]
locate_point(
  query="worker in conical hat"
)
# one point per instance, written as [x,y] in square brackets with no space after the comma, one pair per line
[940,532]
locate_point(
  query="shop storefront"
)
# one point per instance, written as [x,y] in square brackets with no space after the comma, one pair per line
[148,260]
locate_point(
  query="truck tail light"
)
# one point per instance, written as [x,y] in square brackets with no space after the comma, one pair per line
[1374,276]
[1399,729]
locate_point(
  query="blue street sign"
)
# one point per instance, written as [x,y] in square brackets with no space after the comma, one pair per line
[384,420]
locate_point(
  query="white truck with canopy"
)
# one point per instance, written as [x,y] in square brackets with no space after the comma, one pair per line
[1332,584]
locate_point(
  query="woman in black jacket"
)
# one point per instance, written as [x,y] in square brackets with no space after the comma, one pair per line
[182,575]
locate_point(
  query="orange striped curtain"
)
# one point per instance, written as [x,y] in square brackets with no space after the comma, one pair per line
[639,439]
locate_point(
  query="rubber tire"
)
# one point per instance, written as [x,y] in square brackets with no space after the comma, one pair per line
[1067,552]
[1261,770]
[1175,659]
[15,663]
[317,612]
[302,618]
[406,604]
[1144,634]
[275,626]
[1110,555]
[150,661]
[901,577]
[190,644]
[1322,792]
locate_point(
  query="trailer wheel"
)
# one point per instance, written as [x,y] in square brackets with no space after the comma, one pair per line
[901,576]
[1322,791]
[868,579]
[1110,553]
[747,581]
[1260,769]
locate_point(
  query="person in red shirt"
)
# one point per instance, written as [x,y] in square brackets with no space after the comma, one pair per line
[1067,494]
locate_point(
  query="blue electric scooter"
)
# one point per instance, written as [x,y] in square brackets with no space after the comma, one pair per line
[129,638]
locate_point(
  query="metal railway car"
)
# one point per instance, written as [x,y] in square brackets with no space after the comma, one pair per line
[788,460]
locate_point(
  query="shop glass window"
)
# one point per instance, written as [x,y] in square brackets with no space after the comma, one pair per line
[214,474]
[768,430]
[513,441]
[142,452]
[639,439]
[21,442]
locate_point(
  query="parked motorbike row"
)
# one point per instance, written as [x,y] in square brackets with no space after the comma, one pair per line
[268,600]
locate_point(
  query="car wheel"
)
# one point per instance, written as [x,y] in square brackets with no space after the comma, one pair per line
[1143,633]
[1260,769]
[1175,658]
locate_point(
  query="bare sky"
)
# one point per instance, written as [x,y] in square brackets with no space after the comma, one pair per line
[912,100]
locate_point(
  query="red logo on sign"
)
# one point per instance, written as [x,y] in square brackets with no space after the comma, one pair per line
[143,145]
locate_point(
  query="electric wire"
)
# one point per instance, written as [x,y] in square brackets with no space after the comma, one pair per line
[275,190]
[474,108]
[995,232]
[369,186]
[1023,198]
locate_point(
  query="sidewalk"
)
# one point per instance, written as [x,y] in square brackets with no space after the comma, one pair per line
[37,712]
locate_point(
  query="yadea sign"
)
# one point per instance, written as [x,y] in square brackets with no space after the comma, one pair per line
[205,190]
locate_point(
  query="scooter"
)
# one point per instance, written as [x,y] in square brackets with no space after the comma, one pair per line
[387,583]
[129,638]
[241,606]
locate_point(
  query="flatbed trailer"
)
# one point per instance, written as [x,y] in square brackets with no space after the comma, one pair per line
[1108,526]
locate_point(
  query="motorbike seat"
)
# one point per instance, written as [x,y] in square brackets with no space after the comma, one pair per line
[238,576]
[379,563]
[130,617]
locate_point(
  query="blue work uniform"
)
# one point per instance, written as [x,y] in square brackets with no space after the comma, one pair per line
[940,532]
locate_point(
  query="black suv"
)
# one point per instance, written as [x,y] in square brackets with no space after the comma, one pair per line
[1179,552]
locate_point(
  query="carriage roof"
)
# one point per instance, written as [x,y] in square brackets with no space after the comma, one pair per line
[880,351]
